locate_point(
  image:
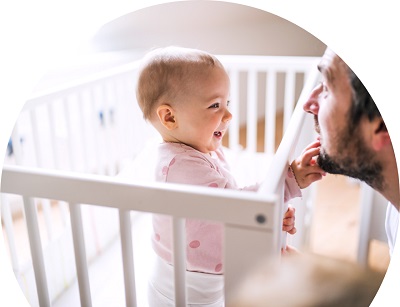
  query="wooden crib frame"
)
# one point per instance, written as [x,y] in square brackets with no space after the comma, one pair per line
[254,220]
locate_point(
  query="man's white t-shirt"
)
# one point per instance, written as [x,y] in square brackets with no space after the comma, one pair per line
[391,225]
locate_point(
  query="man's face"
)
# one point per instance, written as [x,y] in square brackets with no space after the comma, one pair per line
[343,146]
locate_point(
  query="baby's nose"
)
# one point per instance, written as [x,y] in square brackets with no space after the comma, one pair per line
[227,117]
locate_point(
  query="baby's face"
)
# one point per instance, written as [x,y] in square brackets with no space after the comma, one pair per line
[203,117]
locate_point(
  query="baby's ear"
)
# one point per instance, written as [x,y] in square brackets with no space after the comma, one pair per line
[166,115]
[380,137]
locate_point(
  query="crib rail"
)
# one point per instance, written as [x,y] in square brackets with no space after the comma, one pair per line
[176,200]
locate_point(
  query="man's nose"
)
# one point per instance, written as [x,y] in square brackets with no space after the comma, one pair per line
[312,104]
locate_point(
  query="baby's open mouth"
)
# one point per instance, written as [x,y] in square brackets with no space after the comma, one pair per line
[218,133]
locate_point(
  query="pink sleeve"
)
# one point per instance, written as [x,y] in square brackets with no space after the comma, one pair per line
[195,170]
[292,189]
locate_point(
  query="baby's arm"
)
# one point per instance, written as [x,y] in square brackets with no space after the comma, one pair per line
[305,168]
[289,221]
[288,226]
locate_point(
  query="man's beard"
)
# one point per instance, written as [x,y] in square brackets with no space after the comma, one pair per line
[354,159]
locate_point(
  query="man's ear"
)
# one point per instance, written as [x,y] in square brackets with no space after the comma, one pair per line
[166,115]
[380,138]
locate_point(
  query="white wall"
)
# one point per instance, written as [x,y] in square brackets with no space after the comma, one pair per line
[216,26]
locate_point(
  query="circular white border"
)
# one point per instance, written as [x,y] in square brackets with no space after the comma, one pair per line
[363,33]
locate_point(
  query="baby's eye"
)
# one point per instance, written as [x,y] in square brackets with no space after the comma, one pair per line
[214,106]
[228,103]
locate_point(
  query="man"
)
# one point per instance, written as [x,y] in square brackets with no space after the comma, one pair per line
[353,136]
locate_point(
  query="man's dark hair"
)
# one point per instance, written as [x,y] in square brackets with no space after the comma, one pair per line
[362,102]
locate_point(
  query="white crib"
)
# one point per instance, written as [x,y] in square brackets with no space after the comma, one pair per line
[69,144]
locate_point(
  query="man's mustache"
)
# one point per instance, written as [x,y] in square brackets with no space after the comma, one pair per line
[316,124]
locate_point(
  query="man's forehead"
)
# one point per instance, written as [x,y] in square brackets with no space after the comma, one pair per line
[332,66]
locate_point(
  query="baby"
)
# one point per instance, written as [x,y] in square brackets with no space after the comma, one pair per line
[184,94]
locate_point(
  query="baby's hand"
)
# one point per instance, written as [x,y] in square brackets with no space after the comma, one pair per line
[289,251]
[288,221]
[305,167]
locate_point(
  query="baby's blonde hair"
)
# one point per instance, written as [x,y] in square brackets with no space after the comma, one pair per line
[167,74]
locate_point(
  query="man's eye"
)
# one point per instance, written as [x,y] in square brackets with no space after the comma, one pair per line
[214,106]
[324,90]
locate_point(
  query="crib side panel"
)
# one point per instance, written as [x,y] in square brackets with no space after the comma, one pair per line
[245,248]
[250,228]
[93,125]
[264,94]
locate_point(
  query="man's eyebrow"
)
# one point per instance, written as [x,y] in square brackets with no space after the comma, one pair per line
[326,72]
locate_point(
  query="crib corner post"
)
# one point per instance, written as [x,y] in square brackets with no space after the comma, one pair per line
[250,246]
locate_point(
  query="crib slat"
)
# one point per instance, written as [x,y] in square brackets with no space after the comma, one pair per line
[270,113]
[46,207]
[251,124]
[51,119]
[113,108]
[103,139]
[39,162]
[36,251]
[15,139]
[134,108]
[179,239]
[95,127]
[234,109]
[123,132]
[127,257]
[69,129]
[289,97]
[80,255]
[35,136]
[106,139]
[104,100]
[83,131]
[8,225]
[63,206]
